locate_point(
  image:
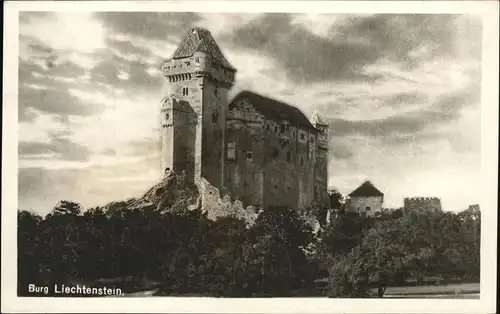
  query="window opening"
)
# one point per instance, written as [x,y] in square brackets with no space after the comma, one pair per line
[231,151]
[215,116]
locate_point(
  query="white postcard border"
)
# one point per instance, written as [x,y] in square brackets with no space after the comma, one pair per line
[489,143]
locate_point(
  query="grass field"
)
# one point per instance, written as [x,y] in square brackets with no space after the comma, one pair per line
[457,289]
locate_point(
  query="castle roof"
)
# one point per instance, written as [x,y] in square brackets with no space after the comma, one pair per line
[316,119]
[200,39]
[366,189]
[275,109]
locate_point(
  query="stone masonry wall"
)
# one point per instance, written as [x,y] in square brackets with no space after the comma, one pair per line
[360,204]
[203,83]
[244,158]
[422,204]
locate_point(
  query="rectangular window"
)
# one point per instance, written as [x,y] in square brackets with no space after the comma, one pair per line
[302,136]
[231,151]
[248,155]
[283,128]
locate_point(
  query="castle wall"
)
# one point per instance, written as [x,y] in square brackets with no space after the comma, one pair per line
[305,164]
[167,133]
[359,205]
[185,122]
[204,84]
[244,158]
[268,162]
[280,183]
[321,167]
[422,204]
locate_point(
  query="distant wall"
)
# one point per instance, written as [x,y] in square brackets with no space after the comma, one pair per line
[422,204]
[365,205]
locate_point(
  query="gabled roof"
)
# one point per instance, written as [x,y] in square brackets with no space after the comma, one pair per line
[365,190]
[316,119]
[200,39]
[275,109]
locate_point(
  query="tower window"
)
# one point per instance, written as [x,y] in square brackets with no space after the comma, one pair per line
[231,151]
[276,153]
[289,157]
[215,116]
[185,91]
[301,161]
[197,60]
[248,155]
[167,116]
[188,63]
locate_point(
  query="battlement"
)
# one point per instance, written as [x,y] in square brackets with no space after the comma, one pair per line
[422,204]
[421,199]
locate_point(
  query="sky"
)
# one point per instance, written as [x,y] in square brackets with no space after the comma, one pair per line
[401,94]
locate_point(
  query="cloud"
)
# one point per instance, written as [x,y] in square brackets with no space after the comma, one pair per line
[352,43]
[151,25]
[130,75]
[57,147]
[56,101]
[291,46]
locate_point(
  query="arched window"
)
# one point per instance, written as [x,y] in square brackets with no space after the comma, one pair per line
[367,208]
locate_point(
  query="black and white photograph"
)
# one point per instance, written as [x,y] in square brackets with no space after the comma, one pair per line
[238,152]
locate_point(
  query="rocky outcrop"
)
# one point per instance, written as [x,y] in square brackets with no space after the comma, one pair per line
[173,194]
[216,207]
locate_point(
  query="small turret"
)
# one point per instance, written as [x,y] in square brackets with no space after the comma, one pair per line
[322,127]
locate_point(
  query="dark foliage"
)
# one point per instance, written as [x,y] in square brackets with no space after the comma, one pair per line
[184,253]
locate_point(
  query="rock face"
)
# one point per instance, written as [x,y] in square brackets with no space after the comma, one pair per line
[217,207]
[173,193]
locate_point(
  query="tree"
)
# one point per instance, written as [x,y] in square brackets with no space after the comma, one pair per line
[67,208]
[28,247]
[278,243]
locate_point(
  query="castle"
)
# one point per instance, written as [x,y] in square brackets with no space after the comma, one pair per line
[261,151]
[422,204]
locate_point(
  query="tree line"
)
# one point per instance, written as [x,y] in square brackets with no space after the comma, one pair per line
[280,255]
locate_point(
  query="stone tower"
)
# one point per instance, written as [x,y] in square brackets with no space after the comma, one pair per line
[194,111]
[321,165]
